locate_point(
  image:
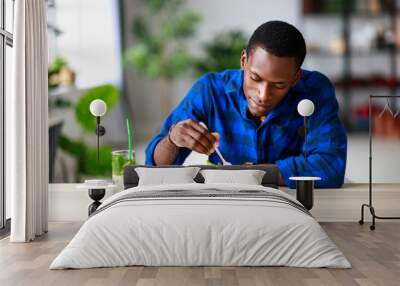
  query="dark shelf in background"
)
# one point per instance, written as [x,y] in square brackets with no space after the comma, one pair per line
[353,14]
[349,84]
[368,83]
[349,6]
[354,53]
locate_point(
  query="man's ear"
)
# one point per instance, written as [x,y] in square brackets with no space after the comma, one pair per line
[297,76]
[243,59]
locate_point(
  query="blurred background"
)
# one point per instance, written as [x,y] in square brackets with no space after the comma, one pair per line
[141,56]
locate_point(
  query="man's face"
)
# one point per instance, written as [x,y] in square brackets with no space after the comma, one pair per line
[267,79]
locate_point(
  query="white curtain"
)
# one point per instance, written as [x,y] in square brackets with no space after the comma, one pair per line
[26,121]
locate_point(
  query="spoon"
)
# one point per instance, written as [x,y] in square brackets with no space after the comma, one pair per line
[224,162]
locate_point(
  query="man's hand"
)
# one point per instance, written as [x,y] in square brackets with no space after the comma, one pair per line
[190,134]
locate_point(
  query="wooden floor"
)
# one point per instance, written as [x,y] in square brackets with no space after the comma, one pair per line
[375,257]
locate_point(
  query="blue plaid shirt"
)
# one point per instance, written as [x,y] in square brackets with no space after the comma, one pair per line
[218,100]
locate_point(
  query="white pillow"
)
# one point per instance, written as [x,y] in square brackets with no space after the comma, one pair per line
[163,176]
[249,177]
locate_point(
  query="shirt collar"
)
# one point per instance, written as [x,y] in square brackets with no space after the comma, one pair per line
[235,86]
[235,83]
[299,86]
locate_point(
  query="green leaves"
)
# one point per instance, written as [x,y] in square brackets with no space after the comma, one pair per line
[140,29]
[54,68]
[74,148]
[160,51]
[87,121]
[157,5]
[222,52]
[56,65]
[182,26]
[179,61]
[87,157]
[148,63]
[89,165]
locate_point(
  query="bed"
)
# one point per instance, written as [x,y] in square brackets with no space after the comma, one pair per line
[198,224]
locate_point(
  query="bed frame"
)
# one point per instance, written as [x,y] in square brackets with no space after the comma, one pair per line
[270,179]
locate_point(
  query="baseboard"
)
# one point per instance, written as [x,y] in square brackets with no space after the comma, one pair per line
[67,203]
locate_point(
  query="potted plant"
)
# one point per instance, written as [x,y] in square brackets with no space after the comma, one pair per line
[222,52]
[160,50]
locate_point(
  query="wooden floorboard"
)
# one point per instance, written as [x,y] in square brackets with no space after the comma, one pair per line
[375,257]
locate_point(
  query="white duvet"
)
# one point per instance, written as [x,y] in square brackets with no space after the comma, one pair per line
[200,231]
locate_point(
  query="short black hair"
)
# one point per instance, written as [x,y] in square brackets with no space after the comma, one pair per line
[280,39]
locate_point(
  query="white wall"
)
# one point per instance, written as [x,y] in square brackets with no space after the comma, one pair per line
[90,40]
[385,162]
[238,14]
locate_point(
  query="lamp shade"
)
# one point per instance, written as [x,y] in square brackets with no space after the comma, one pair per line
[305,107]
[98,107]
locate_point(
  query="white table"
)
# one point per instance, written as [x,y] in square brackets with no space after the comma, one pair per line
[67,203]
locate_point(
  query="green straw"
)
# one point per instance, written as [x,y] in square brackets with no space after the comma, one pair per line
[129,127]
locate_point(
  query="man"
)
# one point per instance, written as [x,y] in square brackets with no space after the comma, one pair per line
[251,114]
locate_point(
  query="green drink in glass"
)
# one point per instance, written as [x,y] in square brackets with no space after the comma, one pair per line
[120,159]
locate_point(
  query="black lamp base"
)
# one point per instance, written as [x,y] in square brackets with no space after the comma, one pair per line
[305,193]
[96,195]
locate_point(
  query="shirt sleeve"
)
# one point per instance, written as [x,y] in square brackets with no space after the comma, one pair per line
[326,144]
[195,105]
